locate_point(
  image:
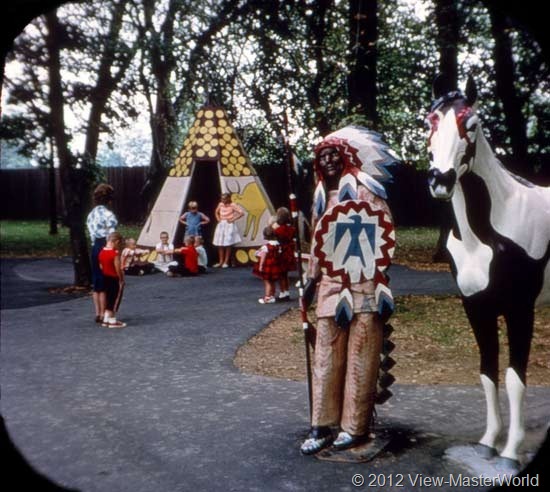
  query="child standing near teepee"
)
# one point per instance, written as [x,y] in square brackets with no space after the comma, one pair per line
[285,232]
[110,264]
[268,266]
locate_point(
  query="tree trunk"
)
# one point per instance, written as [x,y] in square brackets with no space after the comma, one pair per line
[318,32]
[447,21]
[52,192]
[71,181]
[363,36]
[506,91]
[163,118]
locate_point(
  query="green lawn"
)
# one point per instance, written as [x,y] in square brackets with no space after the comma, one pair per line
[32,238]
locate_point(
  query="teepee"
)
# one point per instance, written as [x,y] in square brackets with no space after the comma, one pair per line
[212,161]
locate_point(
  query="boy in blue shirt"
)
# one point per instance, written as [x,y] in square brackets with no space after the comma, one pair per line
[193,220]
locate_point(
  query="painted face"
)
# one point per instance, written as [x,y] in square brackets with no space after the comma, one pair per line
[330,162]
[451,147]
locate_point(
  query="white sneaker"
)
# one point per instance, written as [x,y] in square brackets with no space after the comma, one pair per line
[266,300]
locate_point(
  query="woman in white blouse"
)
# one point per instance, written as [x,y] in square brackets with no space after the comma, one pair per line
[100,222]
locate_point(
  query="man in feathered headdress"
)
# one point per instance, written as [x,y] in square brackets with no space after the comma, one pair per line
[353,231]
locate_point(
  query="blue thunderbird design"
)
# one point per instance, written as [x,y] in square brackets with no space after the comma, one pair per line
[355,228]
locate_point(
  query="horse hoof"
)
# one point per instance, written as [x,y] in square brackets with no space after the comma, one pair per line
[484,451]
[508,465]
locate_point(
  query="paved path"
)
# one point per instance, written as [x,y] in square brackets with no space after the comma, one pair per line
[159,406]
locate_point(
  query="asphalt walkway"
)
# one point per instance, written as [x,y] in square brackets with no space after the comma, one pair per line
[159,405]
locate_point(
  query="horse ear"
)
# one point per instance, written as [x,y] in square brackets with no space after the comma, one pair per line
[471,91]
[441,85]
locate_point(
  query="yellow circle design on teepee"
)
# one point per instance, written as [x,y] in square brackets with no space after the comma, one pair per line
[200,142]
[236,173]
[202,130]
[219,113]
[214,142]
[200,153]
[234,142]
[225,152]
[220,130]
[227,137]
[212,130]
[241,159]
[208,123]
[225,172]
[229,148]
[224,161]
[236,152]
[222,122]
[208,137]
[230,167]
[241,256]
[239,167]
[178,173]
[200,113]
[246,171]
[188,160]
[252,255]
[172,171]
[206,147]
[212,153]
[233,160]
[187,171]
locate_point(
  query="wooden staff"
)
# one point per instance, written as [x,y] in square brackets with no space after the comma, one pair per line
[308,328]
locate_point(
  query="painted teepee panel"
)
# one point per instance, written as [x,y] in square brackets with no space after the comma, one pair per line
[166,212]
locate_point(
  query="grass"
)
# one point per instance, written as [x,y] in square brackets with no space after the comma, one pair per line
[416,238]
[31,238]
[434,345]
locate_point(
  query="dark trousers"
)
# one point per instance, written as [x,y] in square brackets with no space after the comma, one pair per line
[113,293]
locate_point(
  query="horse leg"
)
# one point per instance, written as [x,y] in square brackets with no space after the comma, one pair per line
[484,325]
[519,322]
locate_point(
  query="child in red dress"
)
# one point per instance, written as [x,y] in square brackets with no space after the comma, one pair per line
[285,233]
[268,265]
[110,264]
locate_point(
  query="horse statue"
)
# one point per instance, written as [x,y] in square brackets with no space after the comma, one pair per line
[499,247]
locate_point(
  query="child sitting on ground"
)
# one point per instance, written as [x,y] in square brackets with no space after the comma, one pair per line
[268,265]
[203,257]
[109,262]
[165,253]
[187,260]
[131,262]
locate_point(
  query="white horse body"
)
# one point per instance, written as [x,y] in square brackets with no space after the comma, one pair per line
[500,247]
[529,206]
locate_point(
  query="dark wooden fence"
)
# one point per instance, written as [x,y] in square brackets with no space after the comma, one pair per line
[24,194]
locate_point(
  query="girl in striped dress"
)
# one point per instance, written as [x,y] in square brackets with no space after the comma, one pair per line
[226,233]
